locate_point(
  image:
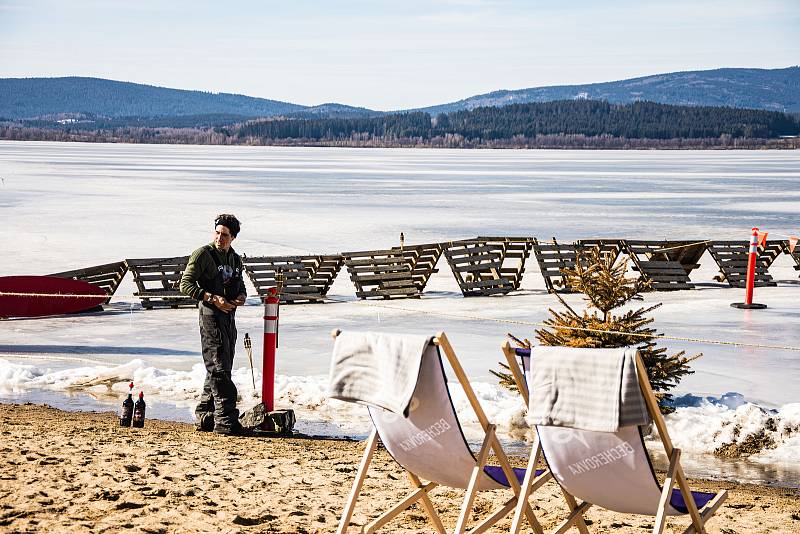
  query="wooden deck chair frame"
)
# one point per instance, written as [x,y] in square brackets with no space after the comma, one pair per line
[107,277]
[674,475]
[421,489]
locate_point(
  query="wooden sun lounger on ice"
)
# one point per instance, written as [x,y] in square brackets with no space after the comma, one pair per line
[107,277]
[771,250]
[732,257]
[553,258]
[795,255]
[423,260]
[382,273]
[478,264]
[158,280]
[515,252]
[305,279]
[666,264]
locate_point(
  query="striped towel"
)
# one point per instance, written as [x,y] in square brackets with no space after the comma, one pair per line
[587,389]
[376,369]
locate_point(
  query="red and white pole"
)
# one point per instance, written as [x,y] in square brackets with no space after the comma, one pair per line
[751,267]
[750,283]
[270,343]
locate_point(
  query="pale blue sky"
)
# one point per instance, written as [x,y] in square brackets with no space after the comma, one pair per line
[388,55]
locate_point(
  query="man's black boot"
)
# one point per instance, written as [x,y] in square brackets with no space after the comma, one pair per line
[235,430]
[205,422]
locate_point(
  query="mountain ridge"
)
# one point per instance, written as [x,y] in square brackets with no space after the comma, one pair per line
[81,97]
[699,88]
[38,97]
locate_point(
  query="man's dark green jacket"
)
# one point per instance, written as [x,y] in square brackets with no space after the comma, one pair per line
[202,275]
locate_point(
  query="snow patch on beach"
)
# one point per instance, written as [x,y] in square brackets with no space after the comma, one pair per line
[728,425]
[167,384]
[731,426]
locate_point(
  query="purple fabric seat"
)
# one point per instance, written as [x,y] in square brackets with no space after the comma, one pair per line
[499,476]
[701,498]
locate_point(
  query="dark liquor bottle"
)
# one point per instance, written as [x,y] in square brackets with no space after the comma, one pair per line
[138,411]
[127,409]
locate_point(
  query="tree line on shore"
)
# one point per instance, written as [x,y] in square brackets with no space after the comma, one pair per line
[561,124]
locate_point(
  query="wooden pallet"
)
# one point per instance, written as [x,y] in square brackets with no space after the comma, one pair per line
[382,274]
[552,258]
[423,260]
[795,255]
[514,251]
[158,281]
[107,277]
[732,256]
[478,267]
[665,264]
[306,279]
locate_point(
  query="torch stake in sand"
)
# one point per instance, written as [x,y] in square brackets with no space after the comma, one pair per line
[248,347]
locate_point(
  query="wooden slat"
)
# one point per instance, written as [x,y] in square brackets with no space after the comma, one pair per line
[379,268]
[388,293]
[456,259]
[480,267]
[169,276]
[367,279]
[371,253]
[499,283]
[397,260]
[467,250]
[157,262]
[361,475]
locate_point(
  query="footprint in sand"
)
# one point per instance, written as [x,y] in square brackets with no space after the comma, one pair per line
[252,521]
[129,505]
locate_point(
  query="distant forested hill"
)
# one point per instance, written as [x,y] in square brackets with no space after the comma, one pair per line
[640,120]
[769,89]
[94,97]
[560,124]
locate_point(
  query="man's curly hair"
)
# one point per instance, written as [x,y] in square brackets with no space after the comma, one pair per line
[229,221]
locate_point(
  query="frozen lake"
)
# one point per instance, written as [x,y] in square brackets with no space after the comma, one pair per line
[70,205]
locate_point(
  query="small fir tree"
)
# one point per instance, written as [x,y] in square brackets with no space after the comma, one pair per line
[605,289]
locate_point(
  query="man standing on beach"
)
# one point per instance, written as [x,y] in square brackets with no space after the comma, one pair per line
[213,276]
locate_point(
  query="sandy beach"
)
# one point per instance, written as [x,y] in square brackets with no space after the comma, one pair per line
[80,472]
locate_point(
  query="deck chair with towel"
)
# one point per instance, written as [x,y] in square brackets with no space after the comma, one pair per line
[401,380]
[588,406]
